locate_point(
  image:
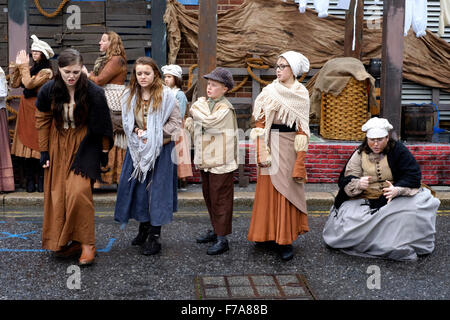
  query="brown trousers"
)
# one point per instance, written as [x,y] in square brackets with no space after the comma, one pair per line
[218,191]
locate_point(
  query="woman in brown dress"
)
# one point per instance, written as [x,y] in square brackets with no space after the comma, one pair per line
[75,135]
[281,112]
[31,78]
[110,72]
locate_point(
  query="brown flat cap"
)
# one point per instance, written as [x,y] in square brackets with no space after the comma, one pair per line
[221,75]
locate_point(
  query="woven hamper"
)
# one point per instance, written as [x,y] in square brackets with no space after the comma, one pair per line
[342,116]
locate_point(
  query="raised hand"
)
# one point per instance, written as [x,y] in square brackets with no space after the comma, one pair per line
[22,57]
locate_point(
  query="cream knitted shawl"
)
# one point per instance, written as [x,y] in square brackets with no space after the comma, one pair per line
[292,105]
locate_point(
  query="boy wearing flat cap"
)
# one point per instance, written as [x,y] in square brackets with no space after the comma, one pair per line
[214,127]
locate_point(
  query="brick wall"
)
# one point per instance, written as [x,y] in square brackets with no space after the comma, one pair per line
[325,161]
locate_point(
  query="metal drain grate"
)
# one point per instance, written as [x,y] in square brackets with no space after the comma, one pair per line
[257,286]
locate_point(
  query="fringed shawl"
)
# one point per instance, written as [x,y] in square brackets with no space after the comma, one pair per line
[292,105]
[143,154]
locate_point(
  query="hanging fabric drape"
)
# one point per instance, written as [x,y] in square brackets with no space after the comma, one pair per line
[321,7]
[444,17]
[416,15]
[343,4]
[302,6]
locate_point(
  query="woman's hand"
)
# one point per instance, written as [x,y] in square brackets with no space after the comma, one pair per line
[22,57]
[85,70]
[390,192]
[45,159]
[140,133]
[364,182]
[265,164]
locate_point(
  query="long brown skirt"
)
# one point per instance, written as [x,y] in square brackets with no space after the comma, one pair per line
[26,128]
[274,218]
[6,168]
[183,149]
[68,201]
[115,160]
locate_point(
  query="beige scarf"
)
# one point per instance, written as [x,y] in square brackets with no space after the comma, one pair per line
[99,63]
[292,105]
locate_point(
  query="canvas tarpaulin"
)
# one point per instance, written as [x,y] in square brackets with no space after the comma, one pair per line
[266,28]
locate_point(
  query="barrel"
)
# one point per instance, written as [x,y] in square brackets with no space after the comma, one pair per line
[417,122]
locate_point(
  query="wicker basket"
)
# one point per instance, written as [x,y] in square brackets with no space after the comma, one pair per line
[342,116]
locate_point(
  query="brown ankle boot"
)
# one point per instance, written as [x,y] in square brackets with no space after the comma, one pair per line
[87,255]
[69,251]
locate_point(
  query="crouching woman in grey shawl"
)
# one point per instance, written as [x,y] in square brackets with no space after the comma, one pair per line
[381,209]
[147,190]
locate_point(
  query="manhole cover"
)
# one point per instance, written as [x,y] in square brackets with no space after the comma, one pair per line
[256,286]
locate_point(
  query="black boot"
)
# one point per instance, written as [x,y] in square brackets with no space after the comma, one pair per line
[29,174]
[40,171]
[142,235]
[210,236]
[31,187]
[152,246]
[220,246]
[40,187]
[286,252]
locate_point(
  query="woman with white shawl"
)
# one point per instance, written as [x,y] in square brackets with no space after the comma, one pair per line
[281,112]
[150,117]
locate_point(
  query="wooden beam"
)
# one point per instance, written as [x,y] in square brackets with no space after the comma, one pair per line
[17,27]
[158,34]
[392,62]
[207,42]
[18,37]
[354,29]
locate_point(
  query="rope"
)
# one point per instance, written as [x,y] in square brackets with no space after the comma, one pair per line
[11,109]
[240,85]
[54,13]
[191,75]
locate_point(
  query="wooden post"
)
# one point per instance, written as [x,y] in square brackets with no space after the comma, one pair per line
[18,38]
[159,33]
[354,29]
[207,42]
[392,62]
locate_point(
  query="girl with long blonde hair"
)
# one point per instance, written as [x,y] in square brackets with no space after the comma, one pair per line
[150,117]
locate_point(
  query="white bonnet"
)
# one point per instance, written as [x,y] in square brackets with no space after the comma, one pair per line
[173,69]
[42,46]
[299,63]
[377,128]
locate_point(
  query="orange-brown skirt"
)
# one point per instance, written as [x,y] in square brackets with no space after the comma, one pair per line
[26,128]
[183,149]
[274,218]
[68,201]
[115,160]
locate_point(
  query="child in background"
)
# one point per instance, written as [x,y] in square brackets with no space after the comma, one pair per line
[173,79]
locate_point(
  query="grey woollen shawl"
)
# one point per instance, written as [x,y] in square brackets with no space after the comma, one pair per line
[99,125]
